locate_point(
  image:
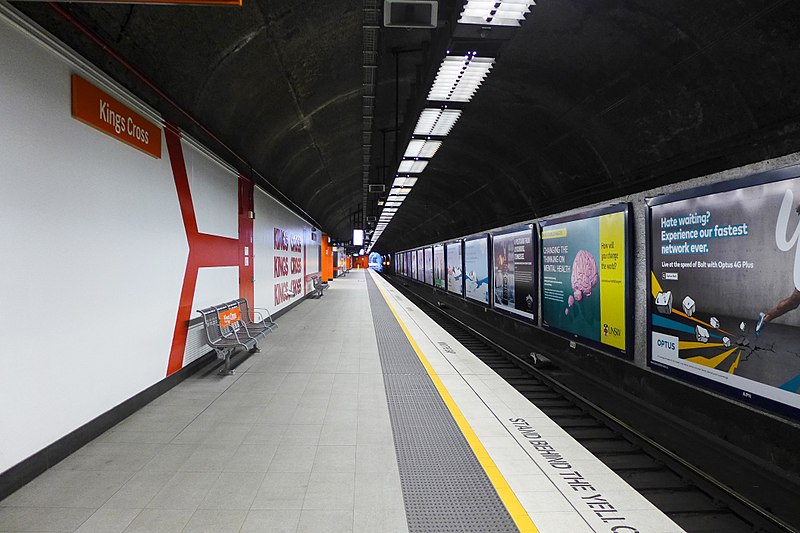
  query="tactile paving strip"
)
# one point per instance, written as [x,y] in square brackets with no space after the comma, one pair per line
[445,489]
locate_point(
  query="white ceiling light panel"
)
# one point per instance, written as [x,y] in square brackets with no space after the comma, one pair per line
[436,122]
[459,77]
[404,181]
[422,148]
[501,13]
[412,166]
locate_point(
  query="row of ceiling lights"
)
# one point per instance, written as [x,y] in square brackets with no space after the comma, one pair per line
[457,80]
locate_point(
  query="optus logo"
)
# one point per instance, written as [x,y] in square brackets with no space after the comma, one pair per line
[669,345]
[664,346]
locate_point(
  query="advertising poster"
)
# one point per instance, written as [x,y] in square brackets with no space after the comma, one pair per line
[476,269]
[407,264]
[514,289]
[438,266]
[420,265]
[428,255]
[584,265]
[455,278]
[413,265]
[725,287]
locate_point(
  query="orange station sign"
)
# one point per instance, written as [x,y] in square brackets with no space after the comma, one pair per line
[230,316]
[94,107]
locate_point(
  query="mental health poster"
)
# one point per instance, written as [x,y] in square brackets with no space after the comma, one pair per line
[584,280]
[514,289]
[476,269]
[455,277]
[438,266]
[725,287]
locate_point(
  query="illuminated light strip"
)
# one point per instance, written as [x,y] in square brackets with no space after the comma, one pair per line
[422,148]
[459,77]
[404,181]
[504,491]
[500,13]
[411,166]
[436,122]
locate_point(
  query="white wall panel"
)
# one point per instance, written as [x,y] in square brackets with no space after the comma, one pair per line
[215,193]
[92,243]
[313,251]
[215,285]
[271,214]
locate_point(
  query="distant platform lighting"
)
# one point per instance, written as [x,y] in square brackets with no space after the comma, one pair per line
[437,122]
[459,77]
[504,13]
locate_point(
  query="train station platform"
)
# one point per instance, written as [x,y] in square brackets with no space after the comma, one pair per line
[359,414]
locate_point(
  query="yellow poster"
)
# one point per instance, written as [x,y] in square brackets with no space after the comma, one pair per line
[612,280]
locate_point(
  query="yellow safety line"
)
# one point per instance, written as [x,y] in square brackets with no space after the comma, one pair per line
[514,507]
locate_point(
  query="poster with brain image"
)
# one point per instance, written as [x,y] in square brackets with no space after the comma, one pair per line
[584,277]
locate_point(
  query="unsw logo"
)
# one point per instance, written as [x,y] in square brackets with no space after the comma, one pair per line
[610,330]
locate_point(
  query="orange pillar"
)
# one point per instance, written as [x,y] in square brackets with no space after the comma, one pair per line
[327,259]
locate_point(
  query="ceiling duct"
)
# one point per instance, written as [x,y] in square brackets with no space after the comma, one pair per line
[410,14]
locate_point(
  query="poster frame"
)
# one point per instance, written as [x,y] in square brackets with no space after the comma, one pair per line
[444,263]
[532,228]
[460,243]
[732,393]
[464,242]
[427,251]
[627,209]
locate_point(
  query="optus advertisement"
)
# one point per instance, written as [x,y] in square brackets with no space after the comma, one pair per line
[512,259]
[438,266]
[584,264]
[725,287]
[455,277]
[476,269]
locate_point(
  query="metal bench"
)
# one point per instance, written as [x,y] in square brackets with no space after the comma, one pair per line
[319,287]
[228,327]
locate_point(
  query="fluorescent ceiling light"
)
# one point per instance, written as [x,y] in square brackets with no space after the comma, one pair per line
[500,13]
[422,148]
[437,122]
[396,198]
[393,204]
[459,77]
[404,181]
[399,191]
[411,166]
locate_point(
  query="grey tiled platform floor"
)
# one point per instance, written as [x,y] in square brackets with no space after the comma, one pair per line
[299,440]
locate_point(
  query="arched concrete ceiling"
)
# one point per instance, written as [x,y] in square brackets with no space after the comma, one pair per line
[587,100]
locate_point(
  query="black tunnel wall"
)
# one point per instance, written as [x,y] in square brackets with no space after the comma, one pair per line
[753,451]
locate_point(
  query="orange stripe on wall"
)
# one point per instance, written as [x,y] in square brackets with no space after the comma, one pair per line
[204,250]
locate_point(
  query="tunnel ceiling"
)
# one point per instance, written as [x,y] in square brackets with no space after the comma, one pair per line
[587,100]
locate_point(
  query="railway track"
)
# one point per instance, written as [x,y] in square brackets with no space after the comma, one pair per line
[691,498]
